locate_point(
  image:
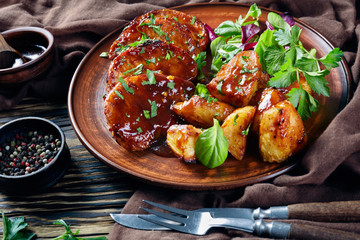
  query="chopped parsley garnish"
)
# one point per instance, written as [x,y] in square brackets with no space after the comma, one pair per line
[137,70]
[119,94]
[246,131]
[104,54]
[139,130]
[235,118]
[193,20]
[146,114]
[153,111]
[171,85]
[203,92]
[155,28]
[152,60]
[169,54]
[125,86]
[151,78]
[219,87]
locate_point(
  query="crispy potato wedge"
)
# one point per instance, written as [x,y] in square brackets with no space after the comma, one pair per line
[235,129]
[164,29]
[138,114]
[182,139]
[199,112]
[269,98]
[153,55]
[237,81]
[281,133]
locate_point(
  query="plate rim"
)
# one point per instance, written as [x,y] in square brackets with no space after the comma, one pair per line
[195,186]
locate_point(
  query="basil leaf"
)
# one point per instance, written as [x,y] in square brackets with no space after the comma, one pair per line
[211,148]
[227,28]
[277,22]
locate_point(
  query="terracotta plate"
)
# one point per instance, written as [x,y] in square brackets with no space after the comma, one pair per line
[85,104]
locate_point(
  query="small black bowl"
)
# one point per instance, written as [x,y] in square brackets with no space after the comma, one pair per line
[44,177]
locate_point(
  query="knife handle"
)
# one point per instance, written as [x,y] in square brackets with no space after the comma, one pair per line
[301,231]
[342,211]
[280,230]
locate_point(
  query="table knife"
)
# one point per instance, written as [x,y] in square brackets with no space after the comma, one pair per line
[342,211]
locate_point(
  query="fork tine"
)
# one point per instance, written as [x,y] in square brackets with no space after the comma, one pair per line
[179,228]
[165,215]
[169,209]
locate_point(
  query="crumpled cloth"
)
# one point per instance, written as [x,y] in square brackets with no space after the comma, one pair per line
[328,171]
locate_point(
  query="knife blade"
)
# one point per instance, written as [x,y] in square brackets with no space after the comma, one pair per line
[133,220]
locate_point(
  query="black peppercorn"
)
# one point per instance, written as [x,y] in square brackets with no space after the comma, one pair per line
[27,152]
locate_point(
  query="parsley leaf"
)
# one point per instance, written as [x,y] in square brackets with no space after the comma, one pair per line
[203,92]
[125,86]
[283,78]
[200,62]
[331,59]
[70,235]
[274,57]
[14,229]
[317,82]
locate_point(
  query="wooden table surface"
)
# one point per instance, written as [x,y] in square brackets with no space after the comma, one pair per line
[84,197]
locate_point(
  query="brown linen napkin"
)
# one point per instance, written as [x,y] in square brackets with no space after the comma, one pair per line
[329,170]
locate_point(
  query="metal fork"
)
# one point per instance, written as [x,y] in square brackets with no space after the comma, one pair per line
[198,223]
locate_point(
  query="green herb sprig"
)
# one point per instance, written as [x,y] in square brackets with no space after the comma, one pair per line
[69,235]
[15,229]
[283,56]
[227,45]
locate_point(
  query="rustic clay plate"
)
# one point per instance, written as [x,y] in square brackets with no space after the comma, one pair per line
[86,106]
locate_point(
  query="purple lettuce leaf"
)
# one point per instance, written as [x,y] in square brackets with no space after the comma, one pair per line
[248,31]
[288,18]
[212,34]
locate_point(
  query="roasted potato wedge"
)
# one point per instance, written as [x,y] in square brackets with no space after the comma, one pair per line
[199,112]
[153,55]
[237,81]
[182,139]
[235,129]
[164,29]
[138,114]
[269,98]
[281,132]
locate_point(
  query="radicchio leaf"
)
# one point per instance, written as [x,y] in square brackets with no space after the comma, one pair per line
[212,34]
[248,46]
[288,18]
[248,31]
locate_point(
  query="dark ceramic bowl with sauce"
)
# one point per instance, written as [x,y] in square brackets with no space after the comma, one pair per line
[35,177]
[36,45]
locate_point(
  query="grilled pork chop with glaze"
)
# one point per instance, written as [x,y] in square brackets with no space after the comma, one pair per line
[168,59]
[138,113]
[161,28]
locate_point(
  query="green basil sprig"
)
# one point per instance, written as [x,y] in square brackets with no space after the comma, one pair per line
[211,148]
